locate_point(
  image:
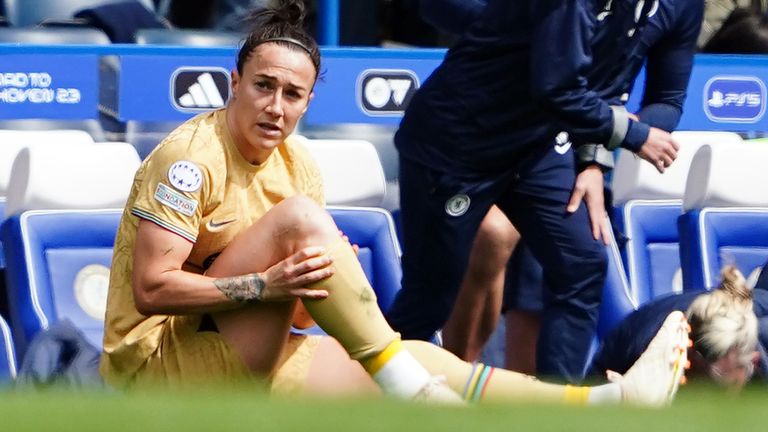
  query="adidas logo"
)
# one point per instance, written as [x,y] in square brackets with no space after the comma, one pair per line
[197,89]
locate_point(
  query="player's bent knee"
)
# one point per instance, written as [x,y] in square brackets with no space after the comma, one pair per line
[303,216]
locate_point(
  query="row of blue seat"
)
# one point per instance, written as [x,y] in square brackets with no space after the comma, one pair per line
[671,250]
[47,251]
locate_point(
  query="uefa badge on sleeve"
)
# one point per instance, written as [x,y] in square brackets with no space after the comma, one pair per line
[185,176]
[457,205]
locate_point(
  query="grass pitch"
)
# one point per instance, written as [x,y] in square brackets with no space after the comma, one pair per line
[696,409]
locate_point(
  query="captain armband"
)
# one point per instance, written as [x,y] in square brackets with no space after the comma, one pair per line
[249,287]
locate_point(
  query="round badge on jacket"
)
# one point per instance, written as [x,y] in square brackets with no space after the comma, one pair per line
[457,205]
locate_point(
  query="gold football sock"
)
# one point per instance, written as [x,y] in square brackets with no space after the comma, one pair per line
[476,382]
[351,315]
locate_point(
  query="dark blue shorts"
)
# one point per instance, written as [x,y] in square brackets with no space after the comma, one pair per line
[440,215]
[523,282]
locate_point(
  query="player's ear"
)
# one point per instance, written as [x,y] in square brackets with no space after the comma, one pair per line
[311,96]
[235,82]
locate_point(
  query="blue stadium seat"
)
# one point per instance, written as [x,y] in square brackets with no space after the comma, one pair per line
[711,238]
[8,367]
[373,230]
[32,12]
[652,251]
[58,267]
[647,207]
[725,219]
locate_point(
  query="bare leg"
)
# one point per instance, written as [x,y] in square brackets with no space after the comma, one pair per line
[478,304]
[522,332]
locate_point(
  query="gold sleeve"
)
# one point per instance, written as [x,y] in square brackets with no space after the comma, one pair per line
[173,192]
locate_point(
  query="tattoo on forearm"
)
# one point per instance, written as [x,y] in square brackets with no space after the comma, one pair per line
[241,288]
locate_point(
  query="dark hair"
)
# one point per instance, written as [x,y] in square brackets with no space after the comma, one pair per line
[744,32]
[282,25]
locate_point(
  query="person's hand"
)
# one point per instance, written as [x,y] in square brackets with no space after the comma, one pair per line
[659,149]
[589,188]
[288,278]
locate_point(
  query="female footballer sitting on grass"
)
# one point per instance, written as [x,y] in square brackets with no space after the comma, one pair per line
[224,230]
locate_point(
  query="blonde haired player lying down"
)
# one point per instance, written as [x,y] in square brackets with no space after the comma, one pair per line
[224,230]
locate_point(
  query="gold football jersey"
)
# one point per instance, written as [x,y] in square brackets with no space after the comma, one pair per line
[197,185]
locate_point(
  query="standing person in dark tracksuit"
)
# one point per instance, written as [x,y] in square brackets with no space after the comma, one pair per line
[668,44]
[493,125]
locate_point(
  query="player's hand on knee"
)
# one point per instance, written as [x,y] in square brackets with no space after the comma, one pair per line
[289,277]
[659,149]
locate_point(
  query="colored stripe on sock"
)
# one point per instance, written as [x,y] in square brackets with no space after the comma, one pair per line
[487,380]
[375,363]
[477,382]
[469,388]
[481,382]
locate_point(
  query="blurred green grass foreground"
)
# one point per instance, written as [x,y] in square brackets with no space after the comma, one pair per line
[696,409]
